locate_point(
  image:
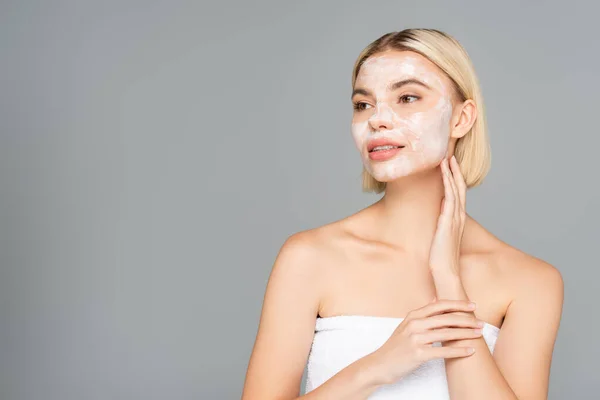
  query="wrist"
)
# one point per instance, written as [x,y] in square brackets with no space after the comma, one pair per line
[371,371]
[448,285]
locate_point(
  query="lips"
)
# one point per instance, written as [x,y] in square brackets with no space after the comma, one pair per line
[383,142]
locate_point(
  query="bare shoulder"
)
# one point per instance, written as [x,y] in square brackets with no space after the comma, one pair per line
[320,240]
[304,257]
[518,270]
[295,265]
[508,278]
[307,247]
[532,284]
[529,275]
[286,326]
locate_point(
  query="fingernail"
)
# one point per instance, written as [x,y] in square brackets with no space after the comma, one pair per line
[480,323]
[472,305]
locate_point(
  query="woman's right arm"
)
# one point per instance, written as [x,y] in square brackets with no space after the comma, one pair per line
[355,382]
[286,330]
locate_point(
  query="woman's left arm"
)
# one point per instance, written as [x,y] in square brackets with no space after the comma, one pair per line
[520,365]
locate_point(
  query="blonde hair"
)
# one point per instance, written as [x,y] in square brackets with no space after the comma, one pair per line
[472,151]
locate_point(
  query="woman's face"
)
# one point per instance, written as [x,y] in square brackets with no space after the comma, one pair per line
[401,98]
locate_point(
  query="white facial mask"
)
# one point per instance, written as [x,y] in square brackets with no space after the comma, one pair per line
[426,130]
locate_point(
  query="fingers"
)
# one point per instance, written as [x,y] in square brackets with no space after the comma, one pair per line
[441,306]
[447,352]
[454,191]
[448,209]
[445,334]
[460,182]
[451,181]
[453,178]
[447,320]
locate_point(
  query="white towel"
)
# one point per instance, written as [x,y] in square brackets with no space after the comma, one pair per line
[341,340]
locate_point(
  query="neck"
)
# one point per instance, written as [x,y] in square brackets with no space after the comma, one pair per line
[407,215]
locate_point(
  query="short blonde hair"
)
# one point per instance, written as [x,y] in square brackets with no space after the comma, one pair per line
[472,151]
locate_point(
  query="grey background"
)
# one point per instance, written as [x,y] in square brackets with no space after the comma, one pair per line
[154,156]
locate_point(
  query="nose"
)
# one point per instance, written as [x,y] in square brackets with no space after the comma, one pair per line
[381,118]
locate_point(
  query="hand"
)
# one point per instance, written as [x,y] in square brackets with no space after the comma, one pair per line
[411,342]
[445,247]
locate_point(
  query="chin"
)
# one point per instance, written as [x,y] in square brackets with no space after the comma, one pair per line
[382,175]
[388,172]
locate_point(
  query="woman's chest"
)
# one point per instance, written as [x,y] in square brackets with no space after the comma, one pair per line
[394,287]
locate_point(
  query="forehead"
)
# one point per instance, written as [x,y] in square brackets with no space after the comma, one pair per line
[381,69]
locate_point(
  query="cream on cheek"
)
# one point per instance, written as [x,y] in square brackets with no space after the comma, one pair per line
[426,131]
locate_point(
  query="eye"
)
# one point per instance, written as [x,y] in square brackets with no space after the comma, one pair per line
[406,96]
[358,106]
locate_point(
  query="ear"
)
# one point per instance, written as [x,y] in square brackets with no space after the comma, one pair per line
[463,118]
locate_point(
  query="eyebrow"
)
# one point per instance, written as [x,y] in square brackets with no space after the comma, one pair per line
[393,86]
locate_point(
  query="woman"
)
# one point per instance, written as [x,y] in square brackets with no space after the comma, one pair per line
[377,304]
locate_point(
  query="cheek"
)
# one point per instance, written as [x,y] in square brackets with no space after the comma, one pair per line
[359,134]
[433,128]
[434,142]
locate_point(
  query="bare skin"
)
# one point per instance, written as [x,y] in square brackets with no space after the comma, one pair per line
[343,269]
[376,262]
[397,281]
